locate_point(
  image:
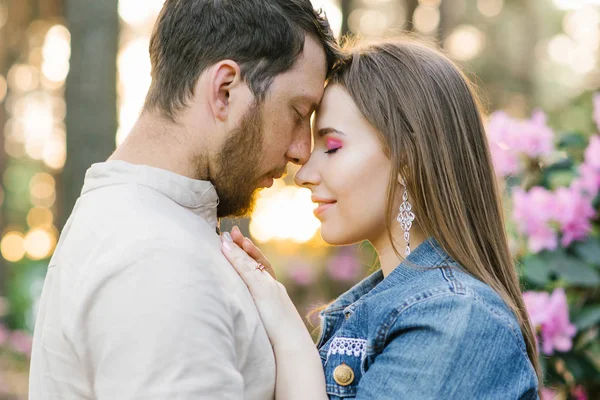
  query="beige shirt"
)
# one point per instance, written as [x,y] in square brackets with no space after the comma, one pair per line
[139,302]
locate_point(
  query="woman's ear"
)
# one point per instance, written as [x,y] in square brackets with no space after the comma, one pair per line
[401,180]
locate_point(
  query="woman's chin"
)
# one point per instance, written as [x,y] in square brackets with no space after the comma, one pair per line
[337,237]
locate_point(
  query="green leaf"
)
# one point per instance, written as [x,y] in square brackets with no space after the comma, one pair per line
[572,139]
[589,250]
[587,317]
[580,366]
[574,271]
[536,269]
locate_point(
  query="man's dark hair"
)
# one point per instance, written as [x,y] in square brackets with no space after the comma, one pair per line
[265,37]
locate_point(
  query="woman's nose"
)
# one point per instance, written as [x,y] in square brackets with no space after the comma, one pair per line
[307,176]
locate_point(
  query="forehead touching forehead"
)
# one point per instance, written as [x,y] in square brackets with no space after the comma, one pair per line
[305,81]
[337,109]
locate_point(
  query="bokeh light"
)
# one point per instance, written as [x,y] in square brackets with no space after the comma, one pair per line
[39,216]
[3,88]
[284,213]
[139,12]
[39,243]
[12,247]
[490,8]
[333,12]
[465,42]
[426,18]
[23,78]
[574,4]
[583,26]
[134,81]
[56,54]
[42,186]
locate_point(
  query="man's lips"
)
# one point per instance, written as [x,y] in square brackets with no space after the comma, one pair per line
[267,182]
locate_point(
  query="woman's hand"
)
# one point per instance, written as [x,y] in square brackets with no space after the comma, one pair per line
[280,318]
[299,370]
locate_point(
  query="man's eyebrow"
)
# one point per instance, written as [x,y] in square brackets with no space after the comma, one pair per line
[324,131]
[313,104]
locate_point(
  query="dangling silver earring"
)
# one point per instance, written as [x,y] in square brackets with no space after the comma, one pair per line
[406,218]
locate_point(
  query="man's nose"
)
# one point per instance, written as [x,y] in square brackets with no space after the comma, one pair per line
[299,151]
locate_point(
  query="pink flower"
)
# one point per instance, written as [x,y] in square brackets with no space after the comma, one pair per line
[512,139]
[557,331]
[544,238]
[597,110]
[533,137]
[579,393]
[548,394]
[4,335]
[21,342]
[533,212]
[539,214]
[505,160]
[574,213]
[549,315]
[588,181]
[535,303]
[592,153]
[344,266]
[302,274]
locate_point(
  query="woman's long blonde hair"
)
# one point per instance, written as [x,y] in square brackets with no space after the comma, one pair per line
[431,128]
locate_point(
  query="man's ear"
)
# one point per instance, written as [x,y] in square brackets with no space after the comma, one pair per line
[223,78]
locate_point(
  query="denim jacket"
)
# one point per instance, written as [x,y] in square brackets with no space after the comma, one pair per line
[427,331]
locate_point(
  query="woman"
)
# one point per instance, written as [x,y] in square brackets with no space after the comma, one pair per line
[401,159]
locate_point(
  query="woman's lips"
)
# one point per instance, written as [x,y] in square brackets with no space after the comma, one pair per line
[322,208]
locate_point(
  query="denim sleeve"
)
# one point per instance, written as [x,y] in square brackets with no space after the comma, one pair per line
[449,347]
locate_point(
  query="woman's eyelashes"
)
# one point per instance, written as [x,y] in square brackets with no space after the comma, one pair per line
[332,145]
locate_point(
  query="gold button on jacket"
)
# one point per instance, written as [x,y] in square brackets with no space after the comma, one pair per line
[343,375]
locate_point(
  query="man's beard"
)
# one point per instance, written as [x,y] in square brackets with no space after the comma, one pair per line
[239,166]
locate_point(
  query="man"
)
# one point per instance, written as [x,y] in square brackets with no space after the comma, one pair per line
[139,302]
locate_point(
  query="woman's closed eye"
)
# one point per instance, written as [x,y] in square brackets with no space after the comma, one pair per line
[333,145]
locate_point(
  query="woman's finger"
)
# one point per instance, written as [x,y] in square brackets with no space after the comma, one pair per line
[237,236]
[253,251]
[245,266]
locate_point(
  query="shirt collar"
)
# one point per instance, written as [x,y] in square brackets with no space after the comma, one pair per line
[198,196]
[427,255]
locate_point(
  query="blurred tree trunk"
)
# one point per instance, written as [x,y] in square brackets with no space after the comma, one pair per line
[346,6]
[411,6]
[525,61]
[448,21]
[91,94]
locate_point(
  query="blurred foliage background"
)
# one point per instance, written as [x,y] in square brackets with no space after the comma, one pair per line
[74,73]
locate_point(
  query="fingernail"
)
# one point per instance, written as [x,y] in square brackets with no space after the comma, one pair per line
[227,245]
[236,228]
[228,237]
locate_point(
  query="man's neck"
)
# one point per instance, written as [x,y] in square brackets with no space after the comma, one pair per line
[159,143]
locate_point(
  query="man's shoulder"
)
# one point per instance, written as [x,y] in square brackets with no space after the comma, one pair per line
[130,216]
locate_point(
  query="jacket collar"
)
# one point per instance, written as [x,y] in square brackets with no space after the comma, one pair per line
[426,256]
